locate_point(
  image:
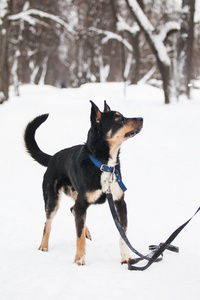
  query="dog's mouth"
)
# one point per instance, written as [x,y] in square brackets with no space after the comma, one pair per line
[132,133]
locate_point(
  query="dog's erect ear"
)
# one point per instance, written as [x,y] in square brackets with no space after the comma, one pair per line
[95,114]
[106,107]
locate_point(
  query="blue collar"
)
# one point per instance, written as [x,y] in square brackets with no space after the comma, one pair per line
[105,168]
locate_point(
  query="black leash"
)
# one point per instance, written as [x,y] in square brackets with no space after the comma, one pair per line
[157,253]
[122,233]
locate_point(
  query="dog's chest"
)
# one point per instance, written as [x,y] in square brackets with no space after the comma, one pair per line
[110,179]
[107,179]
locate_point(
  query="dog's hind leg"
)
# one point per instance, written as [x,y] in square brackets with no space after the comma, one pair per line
[45,238]
[51,197]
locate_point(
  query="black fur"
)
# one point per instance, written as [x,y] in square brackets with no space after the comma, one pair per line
[31,144]
[72,169]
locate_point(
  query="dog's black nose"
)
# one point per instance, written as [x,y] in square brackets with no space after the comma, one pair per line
[140,120]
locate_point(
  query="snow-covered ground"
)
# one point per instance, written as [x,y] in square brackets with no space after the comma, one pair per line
[161,169]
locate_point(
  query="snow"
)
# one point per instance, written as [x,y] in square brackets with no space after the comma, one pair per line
[150,32]
[197,11]
[161,169]
[3,9]
[141,17]
[172,25]
[122,25]
[109,35]
[26,16]
[175,6]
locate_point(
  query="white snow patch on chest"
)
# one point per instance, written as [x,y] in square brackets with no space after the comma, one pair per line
[114,186]
[116,191]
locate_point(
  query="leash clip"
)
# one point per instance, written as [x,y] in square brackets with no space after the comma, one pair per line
[112,176]
[109,189]
[112,170]
[110,180]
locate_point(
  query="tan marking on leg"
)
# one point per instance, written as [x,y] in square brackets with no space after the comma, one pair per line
[93,196]
[74,195]
[47,229]
[87,232]
[70,192]
[80,249]
[45,239]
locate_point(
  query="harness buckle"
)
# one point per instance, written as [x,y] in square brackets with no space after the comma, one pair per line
[102,166]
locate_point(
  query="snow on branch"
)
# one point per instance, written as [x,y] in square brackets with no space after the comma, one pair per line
[147,76]
[26,16]
[140,16]
[3,9]
[122,25]
[168,28]
[145,25]
[109,35]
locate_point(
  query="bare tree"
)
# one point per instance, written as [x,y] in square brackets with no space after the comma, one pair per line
[5,7]
[31,16]
[185,47]
[96,41]
[156,38]
[156,42]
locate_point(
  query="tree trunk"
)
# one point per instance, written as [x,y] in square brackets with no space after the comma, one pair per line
[4,70]
[156,45]
[135,74]
[185,47]
[167,82]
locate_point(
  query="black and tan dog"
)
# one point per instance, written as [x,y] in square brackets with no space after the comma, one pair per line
[72,171]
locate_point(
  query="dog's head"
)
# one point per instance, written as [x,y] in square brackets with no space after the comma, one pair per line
[113,126]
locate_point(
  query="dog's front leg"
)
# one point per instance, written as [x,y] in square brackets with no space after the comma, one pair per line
[122,214]
[80,216]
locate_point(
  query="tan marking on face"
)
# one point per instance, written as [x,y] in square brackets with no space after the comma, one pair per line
[118,138]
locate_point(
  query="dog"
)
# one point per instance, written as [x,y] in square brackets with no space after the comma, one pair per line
[72,171]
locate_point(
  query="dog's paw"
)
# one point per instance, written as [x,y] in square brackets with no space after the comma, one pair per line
[44,249]
[80,261]
[88,234]
[125,261]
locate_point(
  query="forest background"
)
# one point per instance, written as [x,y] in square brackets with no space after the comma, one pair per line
[67,43]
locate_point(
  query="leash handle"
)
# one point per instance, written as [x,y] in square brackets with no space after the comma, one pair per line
[163,246]
[157,253]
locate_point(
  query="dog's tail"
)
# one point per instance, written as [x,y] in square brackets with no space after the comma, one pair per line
[30,142]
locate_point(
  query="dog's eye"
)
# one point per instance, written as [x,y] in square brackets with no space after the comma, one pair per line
[119,119]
